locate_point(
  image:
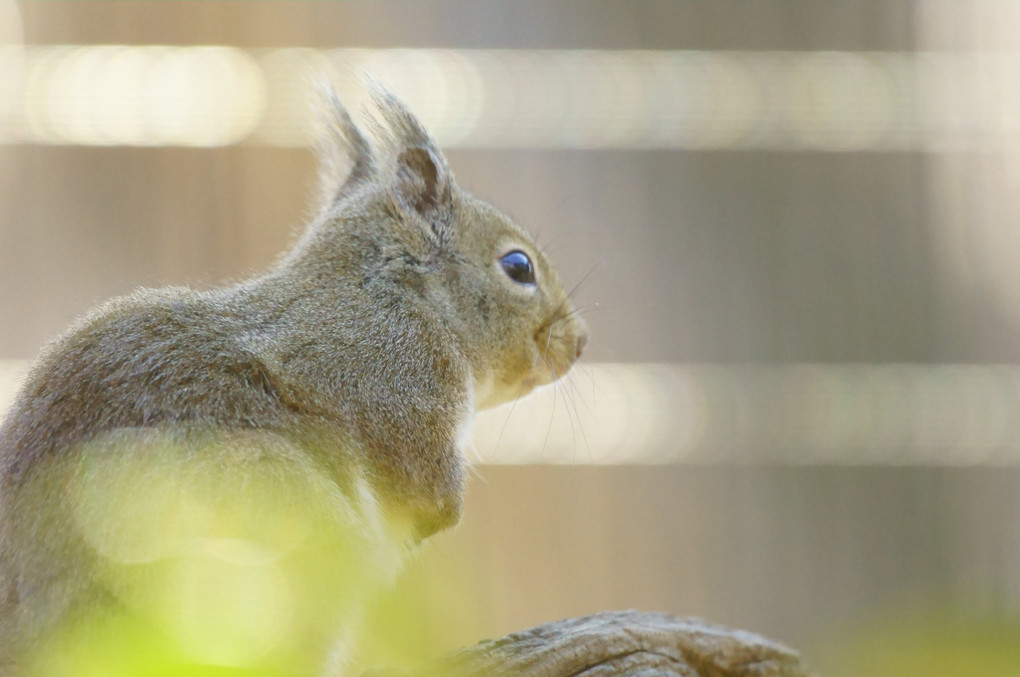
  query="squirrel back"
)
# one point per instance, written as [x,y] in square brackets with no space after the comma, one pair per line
[348,374]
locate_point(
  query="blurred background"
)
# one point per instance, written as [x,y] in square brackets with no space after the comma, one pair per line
[797,229]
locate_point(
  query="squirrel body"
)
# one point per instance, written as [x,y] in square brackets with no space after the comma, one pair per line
[344,379]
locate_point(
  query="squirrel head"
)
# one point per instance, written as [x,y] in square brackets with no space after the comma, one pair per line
[472,266]
[523,331]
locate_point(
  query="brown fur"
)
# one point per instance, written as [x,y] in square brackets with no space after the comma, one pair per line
[361,356]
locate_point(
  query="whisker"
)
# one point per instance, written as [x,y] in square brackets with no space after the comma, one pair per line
[591,377]
[577,415]
[544,248]
[576,311]
[477,473]
[552,411]
[594,305]
[589,370]
[473,457]
[567,401]
[471,450]
[507,420]
[588,274]
[579,283]
[558,389]
[545,220]
[574,385]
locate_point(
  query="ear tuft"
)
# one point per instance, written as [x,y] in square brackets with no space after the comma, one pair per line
[403,125]
[345,153]
[422,181]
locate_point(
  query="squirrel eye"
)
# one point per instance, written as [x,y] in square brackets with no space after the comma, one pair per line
[518,267]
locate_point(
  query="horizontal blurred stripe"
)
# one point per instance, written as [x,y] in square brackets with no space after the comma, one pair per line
[939,415]
[788,414]
[215,96]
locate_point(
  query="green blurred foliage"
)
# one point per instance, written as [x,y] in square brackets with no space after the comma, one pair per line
[216,555]
[924,639]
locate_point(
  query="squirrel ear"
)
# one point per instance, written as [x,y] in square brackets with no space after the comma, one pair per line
[345,153]
[422,181]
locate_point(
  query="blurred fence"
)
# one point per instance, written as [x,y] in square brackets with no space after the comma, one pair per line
[216,95]
[806,414]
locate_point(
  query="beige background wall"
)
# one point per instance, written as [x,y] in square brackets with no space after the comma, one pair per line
[777,255]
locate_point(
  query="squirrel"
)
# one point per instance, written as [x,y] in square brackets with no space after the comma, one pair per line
[343,380]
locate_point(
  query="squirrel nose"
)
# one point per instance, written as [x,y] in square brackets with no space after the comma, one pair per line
[581,340]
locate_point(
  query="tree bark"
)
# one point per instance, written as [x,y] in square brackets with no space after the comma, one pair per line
[617,643]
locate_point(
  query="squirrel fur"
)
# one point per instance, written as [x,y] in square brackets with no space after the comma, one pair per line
[344,379]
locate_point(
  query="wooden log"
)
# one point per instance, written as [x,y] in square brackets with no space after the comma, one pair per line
[617,643]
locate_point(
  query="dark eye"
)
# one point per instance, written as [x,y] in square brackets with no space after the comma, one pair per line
[518,266]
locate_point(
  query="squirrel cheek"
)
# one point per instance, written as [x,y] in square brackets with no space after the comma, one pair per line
[526,371]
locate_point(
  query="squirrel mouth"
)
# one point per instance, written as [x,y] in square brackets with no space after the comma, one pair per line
[556,355]
[547,369]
